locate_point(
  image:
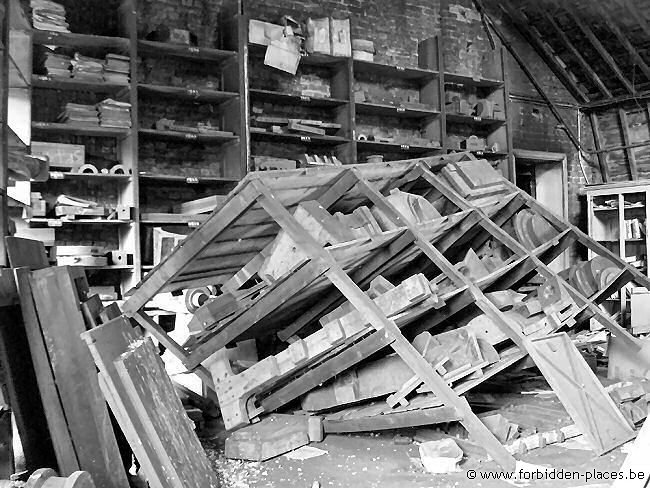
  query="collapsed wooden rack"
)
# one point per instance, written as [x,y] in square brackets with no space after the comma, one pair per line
[279,222]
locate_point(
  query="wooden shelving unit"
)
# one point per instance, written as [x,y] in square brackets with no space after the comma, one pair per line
[228,80]
[617,217]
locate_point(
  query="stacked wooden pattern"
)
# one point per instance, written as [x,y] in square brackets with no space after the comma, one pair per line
[439,261]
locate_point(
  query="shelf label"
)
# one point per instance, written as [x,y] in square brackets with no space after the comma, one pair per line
[192,92]
[400,68]
[54,223]
[404,147]
[193,223]
[477,118]
[193,50]
[190,136]
[305,139]
[191,180]
[56,175]
[305,98]
[401,109]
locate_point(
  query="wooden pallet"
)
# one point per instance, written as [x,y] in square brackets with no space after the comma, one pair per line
[477,207]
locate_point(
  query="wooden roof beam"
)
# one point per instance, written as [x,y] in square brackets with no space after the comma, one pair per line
[566,42]
[602,159]
[631,50]
[598,46]
[629,152]
[544,50]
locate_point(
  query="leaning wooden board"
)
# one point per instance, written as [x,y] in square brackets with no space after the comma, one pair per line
[162,415]
[147,407]
[59,314]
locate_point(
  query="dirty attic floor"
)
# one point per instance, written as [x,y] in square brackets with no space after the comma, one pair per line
[391,459]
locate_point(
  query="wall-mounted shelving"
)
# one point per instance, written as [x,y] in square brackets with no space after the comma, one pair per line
[201,140]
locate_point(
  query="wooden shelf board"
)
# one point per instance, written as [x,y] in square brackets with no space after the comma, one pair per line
[193,94]
[370,108]
[472,120]
[172,219]
[472,81]
[314,59]
[394,147]
[485,154]
[67,39]
[299,138]
[287,98]
[91,131]
[44,222]
[393,71]
[190,180]
[61,175]
[162,49]
[187,136]
[44,81]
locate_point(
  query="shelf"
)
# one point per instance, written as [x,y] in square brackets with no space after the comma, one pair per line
[392,71]
[394,147]
[162,49]
[289,99]
[314,59]
[74,130]
[473,120]
[108,267]
[615,209]
[190,180]
[44,81]
[369,108]
[193,94]
[173,219]
[44,222]
[485,154]
[472,81]
[60,175]
[188,136]
[66,39]
[299,138]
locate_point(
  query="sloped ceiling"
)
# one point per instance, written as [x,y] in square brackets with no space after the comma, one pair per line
[600,49]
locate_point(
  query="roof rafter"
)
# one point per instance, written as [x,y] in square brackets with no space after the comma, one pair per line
[544,50]
[566,42]
[632,51]
[598,46]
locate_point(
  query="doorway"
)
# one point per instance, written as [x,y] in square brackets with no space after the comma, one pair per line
[544,176]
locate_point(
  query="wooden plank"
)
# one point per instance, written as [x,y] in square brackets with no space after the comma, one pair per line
[386,421]
[625,131]
[598,46]
[602,160]
[586,401]
[21,386]
[586,67]
[57,306]
[57,424]
[106,343]
[151,392]
[26,252]
[379,321]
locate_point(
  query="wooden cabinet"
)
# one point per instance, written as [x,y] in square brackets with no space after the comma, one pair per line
[617,217]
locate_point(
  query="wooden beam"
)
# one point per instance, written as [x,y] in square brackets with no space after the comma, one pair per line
[631,50]
[586,67]
[544,50]
[631,157]
[602,161]
[615,101]
[598,46]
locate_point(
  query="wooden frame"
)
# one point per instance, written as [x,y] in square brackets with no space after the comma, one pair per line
[262,202]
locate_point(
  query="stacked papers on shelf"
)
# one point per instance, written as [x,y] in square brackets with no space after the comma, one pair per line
[48,15]
[116,69]
[85,68]
[78,114]
[57,65]
[114,114]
